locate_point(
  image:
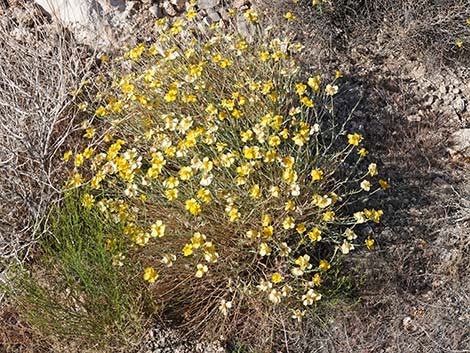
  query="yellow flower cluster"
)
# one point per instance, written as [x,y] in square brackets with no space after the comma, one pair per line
[203,151]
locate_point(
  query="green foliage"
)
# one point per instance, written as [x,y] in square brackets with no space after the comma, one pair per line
[73,291]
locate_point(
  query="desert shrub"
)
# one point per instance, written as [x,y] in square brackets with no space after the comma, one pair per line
[237,187]
[76,294]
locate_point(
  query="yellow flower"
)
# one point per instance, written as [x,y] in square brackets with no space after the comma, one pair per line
[67,155]
[301,228]
[255,192]
[317,174]
[298,314]
[346,247]
[384,184]
[324,265]
[188,250]
[306,101]
[264,249]
[372,169]
[362,152]
[88,201]
[314,234]
[354,139]
[204,195]
[290,175]
[369,243]
[329,216]
[275,296]
[276,277]
[338,74]
[171,194]
[186,173]
[264,55]
[365,185]
[201,270]
[317,280]
[331,90]
[251,15]
[290,205]
[79,159]
[304,262]
[289,16]
[267,232]
[191,14]
[233,213]
[150,275]
[225,306]
[157,229]
[459,43]
[314,83]
[193,207]
[373,215]
[310,297]
[88,152]
[288,223]
[300,89]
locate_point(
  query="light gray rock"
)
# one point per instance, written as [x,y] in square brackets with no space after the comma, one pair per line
[208,4]
[93,22]
[213,16]
[169,9]
[459,105]
[461,142]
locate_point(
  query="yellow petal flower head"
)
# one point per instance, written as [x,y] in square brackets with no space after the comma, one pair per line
[324,265]
[384,184]
[150,275]
[317,174]
[331,90]
[369,243]
[314,234]
[372,169]
[276,277]
[354,139]
[193,207]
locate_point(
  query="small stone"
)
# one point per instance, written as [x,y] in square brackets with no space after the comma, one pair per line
[456,90]
[408,324]
[208,4]
[459,105]
[461,142]
[442,89]
[156,11]
[169,9]
[213,15]
[428,100]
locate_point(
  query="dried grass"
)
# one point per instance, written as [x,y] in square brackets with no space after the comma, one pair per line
[39,65]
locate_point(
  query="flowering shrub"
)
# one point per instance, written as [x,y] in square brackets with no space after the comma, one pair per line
[230,175]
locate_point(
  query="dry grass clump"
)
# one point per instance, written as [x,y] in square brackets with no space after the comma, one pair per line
[236,185]
[38,70]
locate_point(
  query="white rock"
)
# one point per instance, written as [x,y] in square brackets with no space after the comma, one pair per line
[84,17]
[461,142]
[207,4]
[459,105]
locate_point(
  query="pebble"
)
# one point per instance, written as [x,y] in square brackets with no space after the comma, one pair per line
[459,105]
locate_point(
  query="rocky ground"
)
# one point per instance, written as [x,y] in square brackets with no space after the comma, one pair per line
[416,119]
